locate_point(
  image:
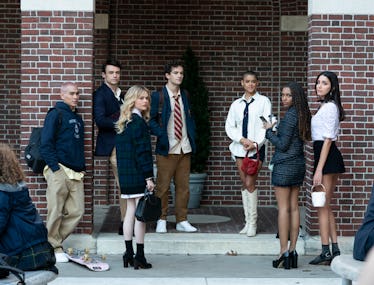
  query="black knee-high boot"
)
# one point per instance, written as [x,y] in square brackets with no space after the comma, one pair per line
[128,256]
[139,260]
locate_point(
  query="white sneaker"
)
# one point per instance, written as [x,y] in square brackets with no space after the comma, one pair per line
[161,226]
[185,226]
[61,257]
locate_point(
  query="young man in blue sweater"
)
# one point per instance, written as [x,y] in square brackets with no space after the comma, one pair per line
[62,148]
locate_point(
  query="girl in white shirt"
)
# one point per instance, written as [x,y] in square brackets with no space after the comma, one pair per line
[328,161]
[244,128]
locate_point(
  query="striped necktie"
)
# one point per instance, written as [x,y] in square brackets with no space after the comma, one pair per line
[177,119]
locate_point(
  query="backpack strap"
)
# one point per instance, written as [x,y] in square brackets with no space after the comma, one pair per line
[18,273]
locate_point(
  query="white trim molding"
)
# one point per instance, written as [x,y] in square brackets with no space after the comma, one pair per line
[58,5]
[340,7]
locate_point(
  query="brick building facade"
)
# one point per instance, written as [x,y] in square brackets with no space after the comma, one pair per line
[44,44]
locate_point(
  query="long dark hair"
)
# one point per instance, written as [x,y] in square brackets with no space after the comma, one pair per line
[300,102]
[334,94]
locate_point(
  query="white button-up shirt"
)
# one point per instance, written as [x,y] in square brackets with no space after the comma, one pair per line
[261,106]
[325,123]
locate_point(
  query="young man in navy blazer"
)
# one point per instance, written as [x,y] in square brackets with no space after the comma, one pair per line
[174,147]
[107,100]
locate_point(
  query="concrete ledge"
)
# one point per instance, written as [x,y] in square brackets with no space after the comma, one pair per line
[40,277]
[201,243]
[197,243]
[347,267]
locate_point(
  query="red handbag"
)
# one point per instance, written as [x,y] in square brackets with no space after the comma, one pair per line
[250,165]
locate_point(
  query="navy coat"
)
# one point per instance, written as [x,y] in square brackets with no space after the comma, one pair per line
[159,122]
[20,224]
[134,156]
[62,139]
[106,109]
[364,238]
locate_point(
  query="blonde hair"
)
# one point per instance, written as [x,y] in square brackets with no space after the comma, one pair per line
[126,109]
[10,169]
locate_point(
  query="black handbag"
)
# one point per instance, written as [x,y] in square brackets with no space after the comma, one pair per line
[148,208]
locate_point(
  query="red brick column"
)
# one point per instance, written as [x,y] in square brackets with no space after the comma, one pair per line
[342,43]
[56,46]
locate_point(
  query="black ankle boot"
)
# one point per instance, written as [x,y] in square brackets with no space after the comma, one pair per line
[128,258]
[282,261]
[293,259]
[140,261]
[322,259]
[335,250]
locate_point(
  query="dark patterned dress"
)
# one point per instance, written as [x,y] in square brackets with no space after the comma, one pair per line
[288,158]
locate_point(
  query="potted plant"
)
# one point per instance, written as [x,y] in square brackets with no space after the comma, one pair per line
[199,96]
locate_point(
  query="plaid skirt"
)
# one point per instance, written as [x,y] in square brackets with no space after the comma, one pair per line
[289,173]
[38,257]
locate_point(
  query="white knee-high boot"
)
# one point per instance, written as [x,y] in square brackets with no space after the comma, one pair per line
[245,208]
[252,213]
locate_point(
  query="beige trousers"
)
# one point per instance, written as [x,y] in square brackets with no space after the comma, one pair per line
[65,206]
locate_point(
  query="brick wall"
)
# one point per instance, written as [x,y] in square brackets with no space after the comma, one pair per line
[56,47]
[10,79]
[344,44]
[228,37]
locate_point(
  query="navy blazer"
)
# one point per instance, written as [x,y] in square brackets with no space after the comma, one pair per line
[364,238]
[106,109]
[159,121]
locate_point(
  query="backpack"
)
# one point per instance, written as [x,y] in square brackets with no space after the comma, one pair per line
[32,154]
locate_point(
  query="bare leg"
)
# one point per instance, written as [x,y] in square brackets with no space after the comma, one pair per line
[128,221]
[294,217]
[283,199]
[139,229]
[327,225]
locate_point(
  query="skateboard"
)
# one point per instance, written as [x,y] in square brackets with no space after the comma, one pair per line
[82,257]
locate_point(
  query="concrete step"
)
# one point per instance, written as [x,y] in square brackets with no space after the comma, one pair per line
[201,243]
[199,269]
[194,281]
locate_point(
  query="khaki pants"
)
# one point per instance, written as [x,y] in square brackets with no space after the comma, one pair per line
[65,205]
[175,166]
[122,202]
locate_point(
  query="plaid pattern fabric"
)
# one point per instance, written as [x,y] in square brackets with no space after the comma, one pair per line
[134,156]
[37,257]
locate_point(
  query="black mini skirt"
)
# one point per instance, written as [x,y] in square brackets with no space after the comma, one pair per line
[334,162]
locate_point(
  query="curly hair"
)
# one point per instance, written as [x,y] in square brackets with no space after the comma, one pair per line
[10,169]
[126,108]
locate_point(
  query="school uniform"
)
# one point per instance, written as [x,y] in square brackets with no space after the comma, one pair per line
[134,157]
[288,158]
[325,125]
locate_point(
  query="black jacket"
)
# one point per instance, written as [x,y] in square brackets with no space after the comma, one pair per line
[364,238]
[106,109]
